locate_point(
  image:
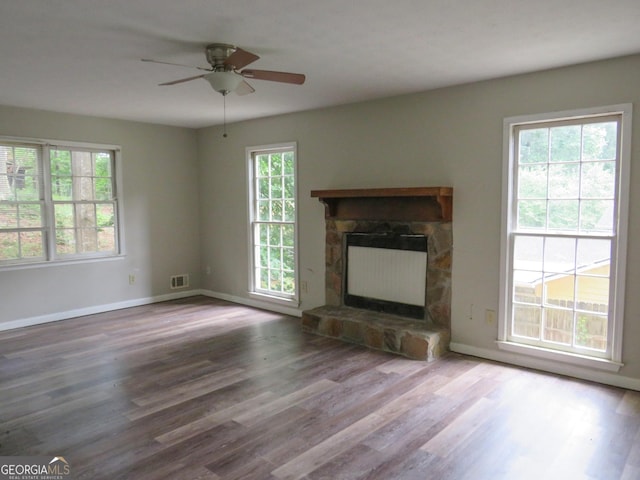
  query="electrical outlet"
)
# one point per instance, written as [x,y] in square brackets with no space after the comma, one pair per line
[304,287]
[490,316]
[208,270]
[132,279]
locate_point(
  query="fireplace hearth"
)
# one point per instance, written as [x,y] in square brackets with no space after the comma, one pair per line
[383,217]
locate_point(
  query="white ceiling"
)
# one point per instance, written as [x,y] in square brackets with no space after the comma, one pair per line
[83,56]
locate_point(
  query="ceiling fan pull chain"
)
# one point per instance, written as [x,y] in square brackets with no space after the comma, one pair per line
[224,115]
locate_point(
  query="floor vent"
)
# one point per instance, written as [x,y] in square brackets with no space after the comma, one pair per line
[180,281]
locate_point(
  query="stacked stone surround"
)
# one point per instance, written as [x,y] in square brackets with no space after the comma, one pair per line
[439,246]
[424,339]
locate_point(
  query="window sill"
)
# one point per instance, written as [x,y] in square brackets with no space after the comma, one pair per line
[59,263]
[561,357]
[265,297]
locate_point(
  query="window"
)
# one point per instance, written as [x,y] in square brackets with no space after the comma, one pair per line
[273,221]
[57,203]
[564,234]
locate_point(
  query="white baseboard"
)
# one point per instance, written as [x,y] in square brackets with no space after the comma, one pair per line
[547,366]
[79,312]
[249,302]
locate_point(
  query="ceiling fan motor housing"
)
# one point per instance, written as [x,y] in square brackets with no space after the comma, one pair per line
[217,54]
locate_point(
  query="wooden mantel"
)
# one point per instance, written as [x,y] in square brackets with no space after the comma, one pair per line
[403,204]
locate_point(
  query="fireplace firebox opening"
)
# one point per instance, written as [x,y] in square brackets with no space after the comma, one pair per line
[386,273]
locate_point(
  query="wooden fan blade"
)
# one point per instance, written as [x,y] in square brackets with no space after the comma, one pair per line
[182,80]
[240,58]
[284,77]
[175,64]
[244,88]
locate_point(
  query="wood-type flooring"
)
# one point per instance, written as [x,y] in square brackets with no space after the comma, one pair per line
[200,388]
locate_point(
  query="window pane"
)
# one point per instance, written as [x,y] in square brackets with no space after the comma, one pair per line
[289,187]
[559,290]
[276,165]
[60,162]
[65,241]
[263,210]
[31,245]
[275,280]
[9,246]
[534,145]
[275,257]
[276,187]
[288,259]
[591,331]
[277,210]
[527,286]
[62,188]
[274,234]
[526,321]
[287,236]
[83,188]
[288,163]
[264,257]
[558,326]
[564,180]
[264,279]
[102,164]
[263,234]
[263,165]
[594,254]
[83,162]
[105,215]
[532,214]
[87,240]
[559,255]
[27,187]
[8,215]
[600,141]
[596,216]
[527,254]
[103,190]
[598,180]
[289,211]
[263,188]
[26,157]
[563,214]
[565,143]
[288,283]
[107,239]
[592,293]
[30,215]
[6,182]
[64,215]
[532,181]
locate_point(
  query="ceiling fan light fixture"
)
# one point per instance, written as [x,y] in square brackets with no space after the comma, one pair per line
[223,82]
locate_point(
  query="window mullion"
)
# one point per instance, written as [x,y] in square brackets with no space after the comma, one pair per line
[49,212]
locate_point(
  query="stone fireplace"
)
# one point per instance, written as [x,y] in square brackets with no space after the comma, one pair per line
[407,216]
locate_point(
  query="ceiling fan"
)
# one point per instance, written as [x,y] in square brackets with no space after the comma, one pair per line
[225,74]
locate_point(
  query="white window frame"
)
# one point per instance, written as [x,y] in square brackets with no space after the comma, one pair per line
[51,258]
[613,360]
[254,290]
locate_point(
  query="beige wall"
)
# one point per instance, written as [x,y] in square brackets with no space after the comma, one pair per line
[160,212]
[449,137]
